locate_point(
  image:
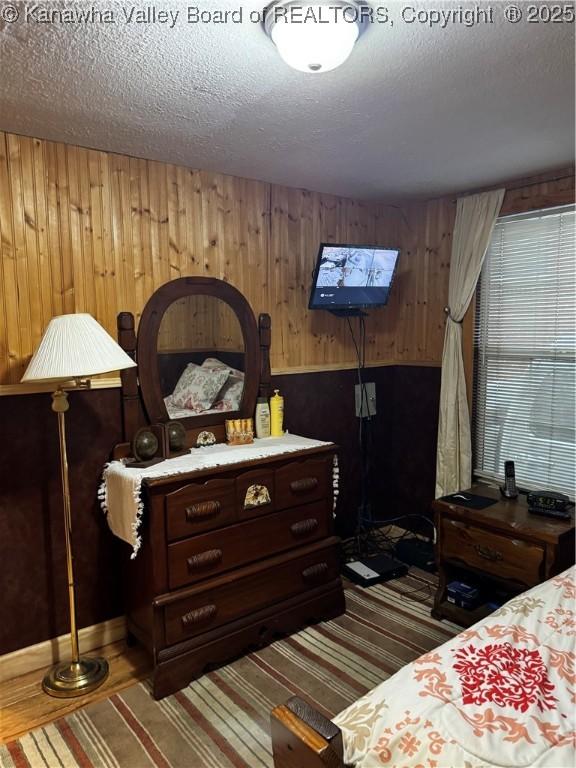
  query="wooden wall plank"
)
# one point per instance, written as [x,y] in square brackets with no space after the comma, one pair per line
[80,273]
[87,227]
[63,212]
[148,285]
[176,224]
[10,337]
[23,308]
[53,225]
[98,266]
[127,265]
[543,191]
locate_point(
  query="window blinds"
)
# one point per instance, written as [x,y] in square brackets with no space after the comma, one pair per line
[524,346]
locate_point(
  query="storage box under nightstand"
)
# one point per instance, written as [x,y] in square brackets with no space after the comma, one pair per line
[500,547]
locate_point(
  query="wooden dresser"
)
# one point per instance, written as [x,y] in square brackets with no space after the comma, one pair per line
[502,548]
[238,553]
[219,571]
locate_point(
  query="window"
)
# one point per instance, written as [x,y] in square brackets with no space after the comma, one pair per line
[524,347]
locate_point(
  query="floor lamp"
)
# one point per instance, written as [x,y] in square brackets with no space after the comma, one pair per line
[73,348]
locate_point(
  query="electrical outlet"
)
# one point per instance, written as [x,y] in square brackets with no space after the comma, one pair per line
[366,401]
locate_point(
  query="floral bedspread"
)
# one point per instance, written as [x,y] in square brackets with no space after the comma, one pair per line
[502,693]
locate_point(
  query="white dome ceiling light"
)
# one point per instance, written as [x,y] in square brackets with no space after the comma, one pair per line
[315,36]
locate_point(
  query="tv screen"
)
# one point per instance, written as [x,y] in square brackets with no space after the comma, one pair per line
[352,276]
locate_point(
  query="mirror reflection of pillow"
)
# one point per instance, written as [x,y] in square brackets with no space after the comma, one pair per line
[213,362]
[198,387]
[182,384]
[229,397]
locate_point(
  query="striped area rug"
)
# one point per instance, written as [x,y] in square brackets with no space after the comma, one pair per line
[222,719]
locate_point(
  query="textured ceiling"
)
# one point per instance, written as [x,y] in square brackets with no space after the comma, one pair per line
[415,111]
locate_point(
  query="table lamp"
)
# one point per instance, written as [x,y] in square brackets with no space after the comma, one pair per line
[73,348]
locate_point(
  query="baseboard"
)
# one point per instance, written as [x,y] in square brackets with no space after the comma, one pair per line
[49,652]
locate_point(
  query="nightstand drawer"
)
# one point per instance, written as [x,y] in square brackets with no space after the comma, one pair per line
[200,507]
[504,557]
[301,482]
[244,591]
[204,556]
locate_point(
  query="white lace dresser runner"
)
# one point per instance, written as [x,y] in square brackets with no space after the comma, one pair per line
[120,491]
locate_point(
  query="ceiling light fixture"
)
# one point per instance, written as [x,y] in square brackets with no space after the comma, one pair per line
[315,36]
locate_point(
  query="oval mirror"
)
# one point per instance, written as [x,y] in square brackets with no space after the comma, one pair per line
[200,357]
[198,353]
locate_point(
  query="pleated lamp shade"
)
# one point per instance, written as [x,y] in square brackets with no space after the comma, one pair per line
[75,347]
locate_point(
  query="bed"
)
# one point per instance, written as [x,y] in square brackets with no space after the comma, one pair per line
[502,693]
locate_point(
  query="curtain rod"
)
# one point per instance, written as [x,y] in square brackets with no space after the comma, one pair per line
[455,200]
[523,186]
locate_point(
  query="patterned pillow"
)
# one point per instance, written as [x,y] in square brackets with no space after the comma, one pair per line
[182,384]
[213,362]
[229,397]
[197,387]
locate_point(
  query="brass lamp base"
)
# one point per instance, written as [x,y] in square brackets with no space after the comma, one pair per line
[71,678]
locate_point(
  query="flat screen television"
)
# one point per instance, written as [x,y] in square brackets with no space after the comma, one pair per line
[348,277]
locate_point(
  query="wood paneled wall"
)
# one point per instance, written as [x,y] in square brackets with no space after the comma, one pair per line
[200,323]
[89,231]
[543,191]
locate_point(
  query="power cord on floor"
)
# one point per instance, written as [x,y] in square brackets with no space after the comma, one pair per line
[422,518]
[375,539]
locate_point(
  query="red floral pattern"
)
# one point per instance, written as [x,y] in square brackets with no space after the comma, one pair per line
[504,675]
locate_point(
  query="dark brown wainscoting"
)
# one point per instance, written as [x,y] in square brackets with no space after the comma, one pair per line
[33,598]
[403,435]
[34,594]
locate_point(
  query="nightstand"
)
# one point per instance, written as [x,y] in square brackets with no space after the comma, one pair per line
[503,548]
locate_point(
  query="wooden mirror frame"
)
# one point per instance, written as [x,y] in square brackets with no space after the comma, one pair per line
[145,384]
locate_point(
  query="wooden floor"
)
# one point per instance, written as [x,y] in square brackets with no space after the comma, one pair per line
[24,705]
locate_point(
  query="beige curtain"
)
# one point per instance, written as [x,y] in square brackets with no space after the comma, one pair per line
[475,219]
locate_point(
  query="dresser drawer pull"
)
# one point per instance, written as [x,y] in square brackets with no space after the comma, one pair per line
[202,509]
[488,553]
[204,559]
[256,496]
[317,572]
[303,527]
[304,484]
[199,615]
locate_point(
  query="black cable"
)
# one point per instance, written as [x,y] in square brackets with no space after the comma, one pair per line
[403,517]
[360,439]
[360,361]
[362,365]
[368,428]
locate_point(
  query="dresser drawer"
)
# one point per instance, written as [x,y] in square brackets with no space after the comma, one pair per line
[504,557]
[301,482]
[208,554]
[200,507]
[255,493]
[229,597]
